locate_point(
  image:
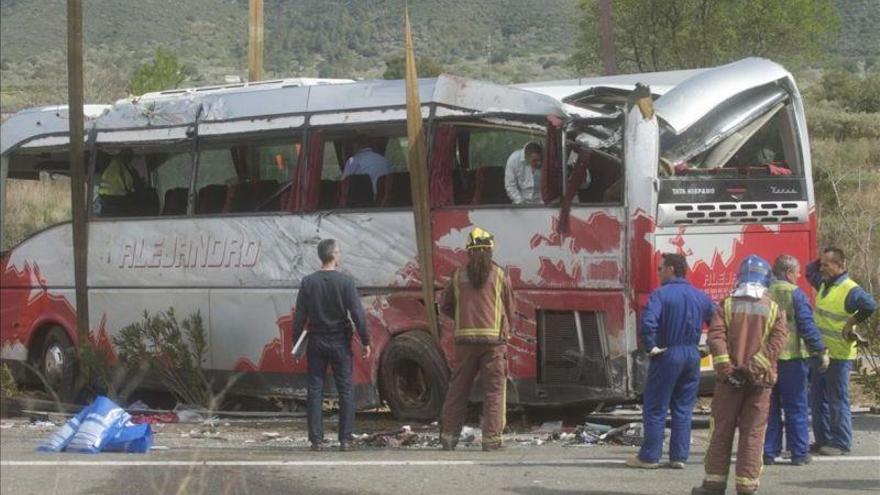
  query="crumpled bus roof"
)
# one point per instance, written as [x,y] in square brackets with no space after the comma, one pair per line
[286,104]
[48,124]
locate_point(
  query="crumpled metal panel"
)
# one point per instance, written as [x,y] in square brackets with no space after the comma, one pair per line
[44,121]
[688,102]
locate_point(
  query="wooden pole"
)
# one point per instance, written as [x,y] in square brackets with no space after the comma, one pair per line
[419,180]
[609,57]
[255,40]
[77,176]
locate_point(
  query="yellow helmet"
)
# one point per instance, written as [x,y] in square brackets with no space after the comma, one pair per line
[480,239]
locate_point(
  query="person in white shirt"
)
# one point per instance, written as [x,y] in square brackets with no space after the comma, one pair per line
[522,175]
[368,162]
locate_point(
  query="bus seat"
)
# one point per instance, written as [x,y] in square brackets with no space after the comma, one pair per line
[357,192]
[211,199]
[145,203]
[328,194]
[175,201]
[394,190]
[489,186]
[463,186]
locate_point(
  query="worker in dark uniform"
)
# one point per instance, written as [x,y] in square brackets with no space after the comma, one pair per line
[672,324]
[747,334]
[328,303]
[480,299]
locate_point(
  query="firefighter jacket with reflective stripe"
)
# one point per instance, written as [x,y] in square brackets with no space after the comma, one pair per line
[831,317]
[803,336]
[746,337]
[482,316]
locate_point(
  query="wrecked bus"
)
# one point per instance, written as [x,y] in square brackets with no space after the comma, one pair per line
[237,184]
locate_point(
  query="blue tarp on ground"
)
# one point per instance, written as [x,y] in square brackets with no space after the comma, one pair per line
[102,426]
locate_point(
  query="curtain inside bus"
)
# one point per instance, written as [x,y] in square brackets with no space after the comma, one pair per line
[441,166]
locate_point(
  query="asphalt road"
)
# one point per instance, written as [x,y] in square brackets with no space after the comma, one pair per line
[251,458]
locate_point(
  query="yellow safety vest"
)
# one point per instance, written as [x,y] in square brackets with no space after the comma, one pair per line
[831,317]
[781,291]
[492,333]
[116,180]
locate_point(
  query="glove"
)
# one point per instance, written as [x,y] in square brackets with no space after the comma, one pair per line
[738,378]
[824,361]
[656,351]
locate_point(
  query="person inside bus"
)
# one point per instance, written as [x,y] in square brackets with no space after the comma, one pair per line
[117,181]
[366,161]
[522,175]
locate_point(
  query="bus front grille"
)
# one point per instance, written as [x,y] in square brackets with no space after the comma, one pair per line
[570,348]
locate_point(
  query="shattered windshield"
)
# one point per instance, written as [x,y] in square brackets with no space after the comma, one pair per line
[750,135]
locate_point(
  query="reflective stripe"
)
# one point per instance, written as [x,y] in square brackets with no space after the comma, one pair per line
[833,316]
[749,482]
[728,311]
[762,360]
[715,478]
[723,358]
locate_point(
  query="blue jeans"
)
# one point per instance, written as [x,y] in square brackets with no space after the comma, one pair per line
[332,350]
[832,419]
[790,396]
[673,380]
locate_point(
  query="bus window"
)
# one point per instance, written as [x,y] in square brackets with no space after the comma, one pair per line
[764,147]
[244,178]
[171,175]
[488,153]
[360,171]
[122,188]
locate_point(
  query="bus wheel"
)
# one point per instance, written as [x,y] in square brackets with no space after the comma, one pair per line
[414,377]
[58,365]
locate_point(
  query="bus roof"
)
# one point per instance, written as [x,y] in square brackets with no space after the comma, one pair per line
[282,104]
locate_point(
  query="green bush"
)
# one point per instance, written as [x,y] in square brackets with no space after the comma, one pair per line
[172,350]
[829,120]
[7,383]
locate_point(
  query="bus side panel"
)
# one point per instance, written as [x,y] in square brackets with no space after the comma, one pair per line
[714,255]
[529,244]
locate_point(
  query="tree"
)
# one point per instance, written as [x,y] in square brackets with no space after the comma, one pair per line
[653,35]
[426,67]
[164,72]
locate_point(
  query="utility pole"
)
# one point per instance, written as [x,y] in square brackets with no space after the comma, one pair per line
[609,58]
[418,168]
[255,40]
[77,177]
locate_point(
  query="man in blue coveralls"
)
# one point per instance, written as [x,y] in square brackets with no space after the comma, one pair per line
[672,324]
[790,390]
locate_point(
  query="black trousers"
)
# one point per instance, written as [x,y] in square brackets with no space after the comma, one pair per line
[333,350]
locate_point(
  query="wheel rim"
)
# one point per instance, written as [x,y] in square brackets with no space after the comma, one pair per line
[53,363]
[412,387]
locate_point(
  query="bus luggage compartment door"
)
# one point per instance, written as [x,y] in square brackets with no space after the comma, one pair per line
[572,348]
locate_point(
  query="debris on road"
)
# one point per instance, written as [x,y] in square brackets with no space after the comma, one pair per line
[100,427]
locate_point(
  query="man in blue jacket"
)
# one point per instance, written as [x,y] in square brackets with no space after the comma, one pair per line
[672,324]
[790,390]
[840,305]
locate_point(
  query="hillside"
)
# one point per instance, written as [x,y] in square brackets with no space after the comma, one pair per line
[501,40]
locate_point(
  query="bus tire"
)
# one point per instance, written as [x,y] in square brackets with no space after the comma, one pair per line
[414,377]
[57,365]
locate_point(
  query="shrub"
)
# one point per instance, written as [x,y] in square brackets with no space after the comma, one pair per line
[7,383]
[174,351]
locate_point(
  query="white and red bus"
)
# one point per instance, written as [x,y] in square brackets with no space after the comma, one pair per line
[237,184]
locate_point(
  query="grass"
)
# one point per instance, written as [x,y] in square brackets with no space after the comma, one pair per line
[32,205]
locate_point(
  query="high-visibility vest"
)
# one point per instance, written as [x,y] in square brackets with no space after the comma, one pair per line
[489,334]
[831,317]
[782,291]
[117,179]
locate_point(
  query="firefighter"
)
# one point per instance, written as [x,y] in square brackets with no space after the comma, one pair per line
[746,336]
[840,305]
[790,392]
[672,324]
[480,299]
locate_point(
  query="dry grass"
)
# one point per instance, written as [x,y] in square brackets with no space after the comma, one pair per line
[33,205]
